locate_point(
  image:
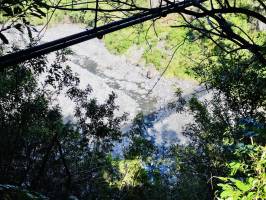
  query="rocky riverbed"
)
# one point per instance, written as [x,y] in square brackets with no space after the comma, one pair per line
[106,72]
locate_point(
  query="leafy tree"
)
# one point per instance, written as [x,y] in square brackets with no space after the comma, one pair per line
[39,152]
[247,179]
[234,117]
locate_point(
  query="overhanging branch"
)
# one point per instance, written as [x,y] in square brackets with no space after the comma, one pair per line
[98,32]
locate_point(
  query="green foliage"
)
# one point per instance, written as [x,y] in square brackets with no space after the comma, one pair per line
[159,41]
[225,155]
[15,14]
[228,137]
[247,178]
[132,173]
[12,192]
[38,149]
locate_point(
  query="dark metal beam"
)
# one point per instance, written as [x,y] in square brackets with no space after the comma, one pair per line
[42,49]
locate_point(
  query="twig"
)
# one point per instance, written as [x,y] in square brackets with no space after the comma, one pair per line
[170,61]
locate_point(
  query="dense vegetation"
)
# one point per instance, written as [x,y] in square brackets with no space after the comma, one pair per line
[42,156]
